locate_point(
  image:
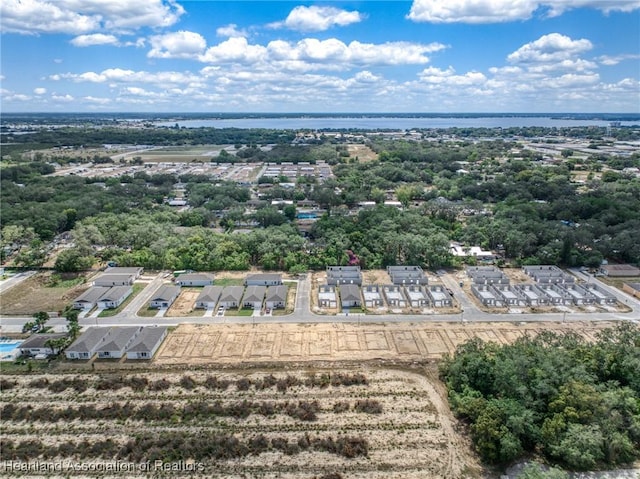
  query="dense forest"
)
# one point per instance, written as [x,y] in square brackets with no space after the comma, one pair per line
[492,193]
[573,402]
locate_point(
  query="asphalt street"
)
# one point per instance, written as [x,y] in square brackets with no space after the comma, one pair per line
[302,312]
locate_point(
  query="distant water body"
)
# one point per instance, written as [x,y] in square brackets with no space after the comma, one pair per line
[388,123]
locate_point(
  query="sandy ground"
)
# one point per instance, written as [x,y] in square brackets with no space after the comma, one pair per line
[363,152]
[184,303]
[212,344]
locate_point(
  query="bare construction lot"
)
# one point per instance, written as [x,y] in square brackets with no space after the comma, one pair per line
[207,344]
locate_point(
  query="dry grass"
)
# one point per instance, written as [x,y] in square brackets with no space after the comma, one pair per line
[34,294]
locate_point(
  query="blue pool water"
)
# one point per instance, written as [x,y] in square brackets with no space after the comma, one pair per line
[7,346]
[307,216]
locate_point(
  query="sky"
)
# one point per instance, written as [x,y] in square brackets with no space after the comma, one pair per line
[441,56]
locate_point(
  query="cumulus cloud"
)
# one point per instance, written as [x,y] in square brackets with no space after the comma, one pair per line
[553,47]
[229,31]
[497,11]
[40,91]
[182,44]
[318,19]
[83,16]
[311,53]
[448,77]
[94,39]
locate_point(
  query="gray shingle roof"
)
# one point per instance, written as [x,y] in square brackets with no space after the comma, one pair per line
[88,340]
[147,339]
[119,339]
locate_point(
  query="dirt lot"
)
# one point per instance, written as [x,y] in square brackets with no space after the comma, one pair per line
[400,415]
[184,303]
[219,344]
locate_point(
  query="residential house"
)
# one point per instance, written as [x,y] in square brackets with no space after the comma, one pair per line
[36,344]
[263,279]
[277,297]
[619,270]
[460,251]
[114,297]
[487,295]
[486,275]
[533,295]
[88,299]
[327,297]
[195,279]
[601,295]
[145,345]
[135,271]
[110,280]
[114,346]
[254,296]
[350,296]
[337,275]
[166,294]
[407,275]
[231,296]
[209,297]
[84,347]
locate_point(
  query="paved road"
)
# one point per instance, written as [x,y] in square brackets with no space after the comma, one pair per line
[14,280]
[303,314]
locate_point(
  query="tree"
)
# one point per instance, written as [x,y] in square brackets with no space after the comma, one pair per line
[73,326]
[72,260]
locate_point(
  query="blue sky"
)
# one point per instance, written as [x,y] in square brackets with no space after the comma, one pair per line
[291,56]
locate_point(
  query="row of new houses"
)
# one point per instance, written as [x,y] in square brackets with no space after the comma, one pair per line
[136,342]
[372,295]
[553,287]
[226,296]
[401,275]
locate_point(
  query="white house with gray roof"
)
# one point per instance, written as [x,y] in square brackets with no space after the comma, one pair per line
[254,296]
[195,279]
[350,296]
[116,343]
[276,297]
[84,347]
[89,298]
[165,296]
[231,296]
[110,280]
[114,297]
[145,345]
[263,279]
[209,297]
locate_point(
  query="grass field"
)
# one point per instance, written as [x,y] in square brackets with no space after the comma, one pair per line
[41,292]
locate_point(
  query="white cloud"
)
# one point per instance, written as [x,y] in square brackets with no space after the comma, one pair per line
[84,16]
[94,39]
[314,54]
[437,76]
[471,11]
[615,59]
[119,75]
[234,50]
[497,11]
[553,47]
[62,98]
[318,19]
[229,31]
[40,91]
[182,44]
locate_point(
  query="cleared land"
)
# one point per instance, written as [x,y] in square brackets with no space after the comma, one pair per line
[40,292]
[231,344]
[364,422]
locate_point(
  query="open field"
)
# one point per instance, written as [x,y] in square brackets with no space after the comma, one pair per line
[184,303]
[362,152]
[36,294]
[235,343]
[360,422]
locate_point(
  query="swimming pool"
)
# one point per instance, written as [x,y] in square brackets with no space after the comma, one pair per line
[7,346]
